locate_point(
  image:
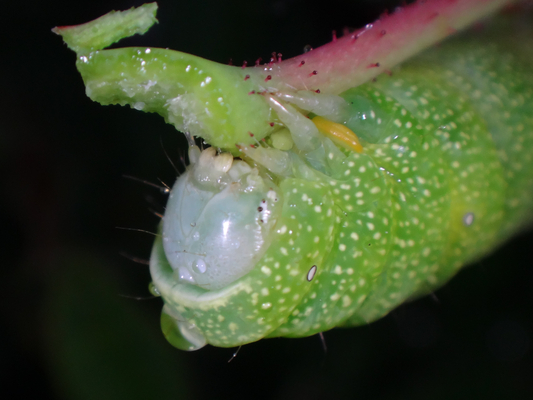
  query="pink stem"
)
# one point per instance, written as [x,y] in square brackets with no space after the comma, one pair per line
[358,57]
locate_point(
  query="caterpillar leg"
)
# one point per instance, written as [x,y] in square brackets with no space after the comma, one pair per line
[331,110]
[304,133]
[339,133]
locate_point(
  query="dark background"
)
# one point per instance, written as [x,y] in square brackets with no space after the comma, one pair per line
[72,325]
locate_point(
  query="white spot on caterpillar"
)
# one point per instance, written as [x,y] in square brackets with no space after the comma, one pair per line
[468,218]
[265,270]
[346,301]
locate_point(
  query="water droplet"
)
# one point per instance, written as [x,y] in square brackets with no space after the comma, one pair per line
[138,105]
[196,235]
[199,266]
[153,290]
[266,306]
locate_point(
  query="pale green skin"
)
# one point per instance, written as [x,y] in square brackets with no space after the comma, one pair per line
[445,138]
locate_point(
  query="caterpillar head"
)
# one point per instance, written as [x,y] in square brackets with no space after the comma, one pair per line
[219,219]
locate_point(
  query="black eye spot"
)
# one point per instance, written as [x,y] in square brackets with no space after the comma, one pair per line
[259,209]
[311,273]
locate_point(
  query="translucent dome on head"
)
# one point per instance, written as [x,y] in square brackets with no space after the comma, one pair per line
[219,219]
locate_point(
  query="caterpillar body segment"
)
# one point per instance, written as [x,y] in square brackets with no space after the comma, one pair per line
[463,137]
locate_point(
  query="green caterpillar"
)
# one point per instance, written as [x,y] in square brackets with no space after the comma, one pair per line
[289,225]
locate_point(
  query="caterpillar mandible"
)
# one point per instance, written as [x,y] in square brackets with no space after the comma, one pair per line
[326,199]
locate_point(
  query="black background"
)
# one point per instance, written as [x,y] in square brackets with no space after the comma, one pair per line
[71,323]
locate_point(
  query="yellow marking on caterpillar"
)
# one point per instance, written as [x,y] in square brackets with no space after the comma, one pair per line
[339,134]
